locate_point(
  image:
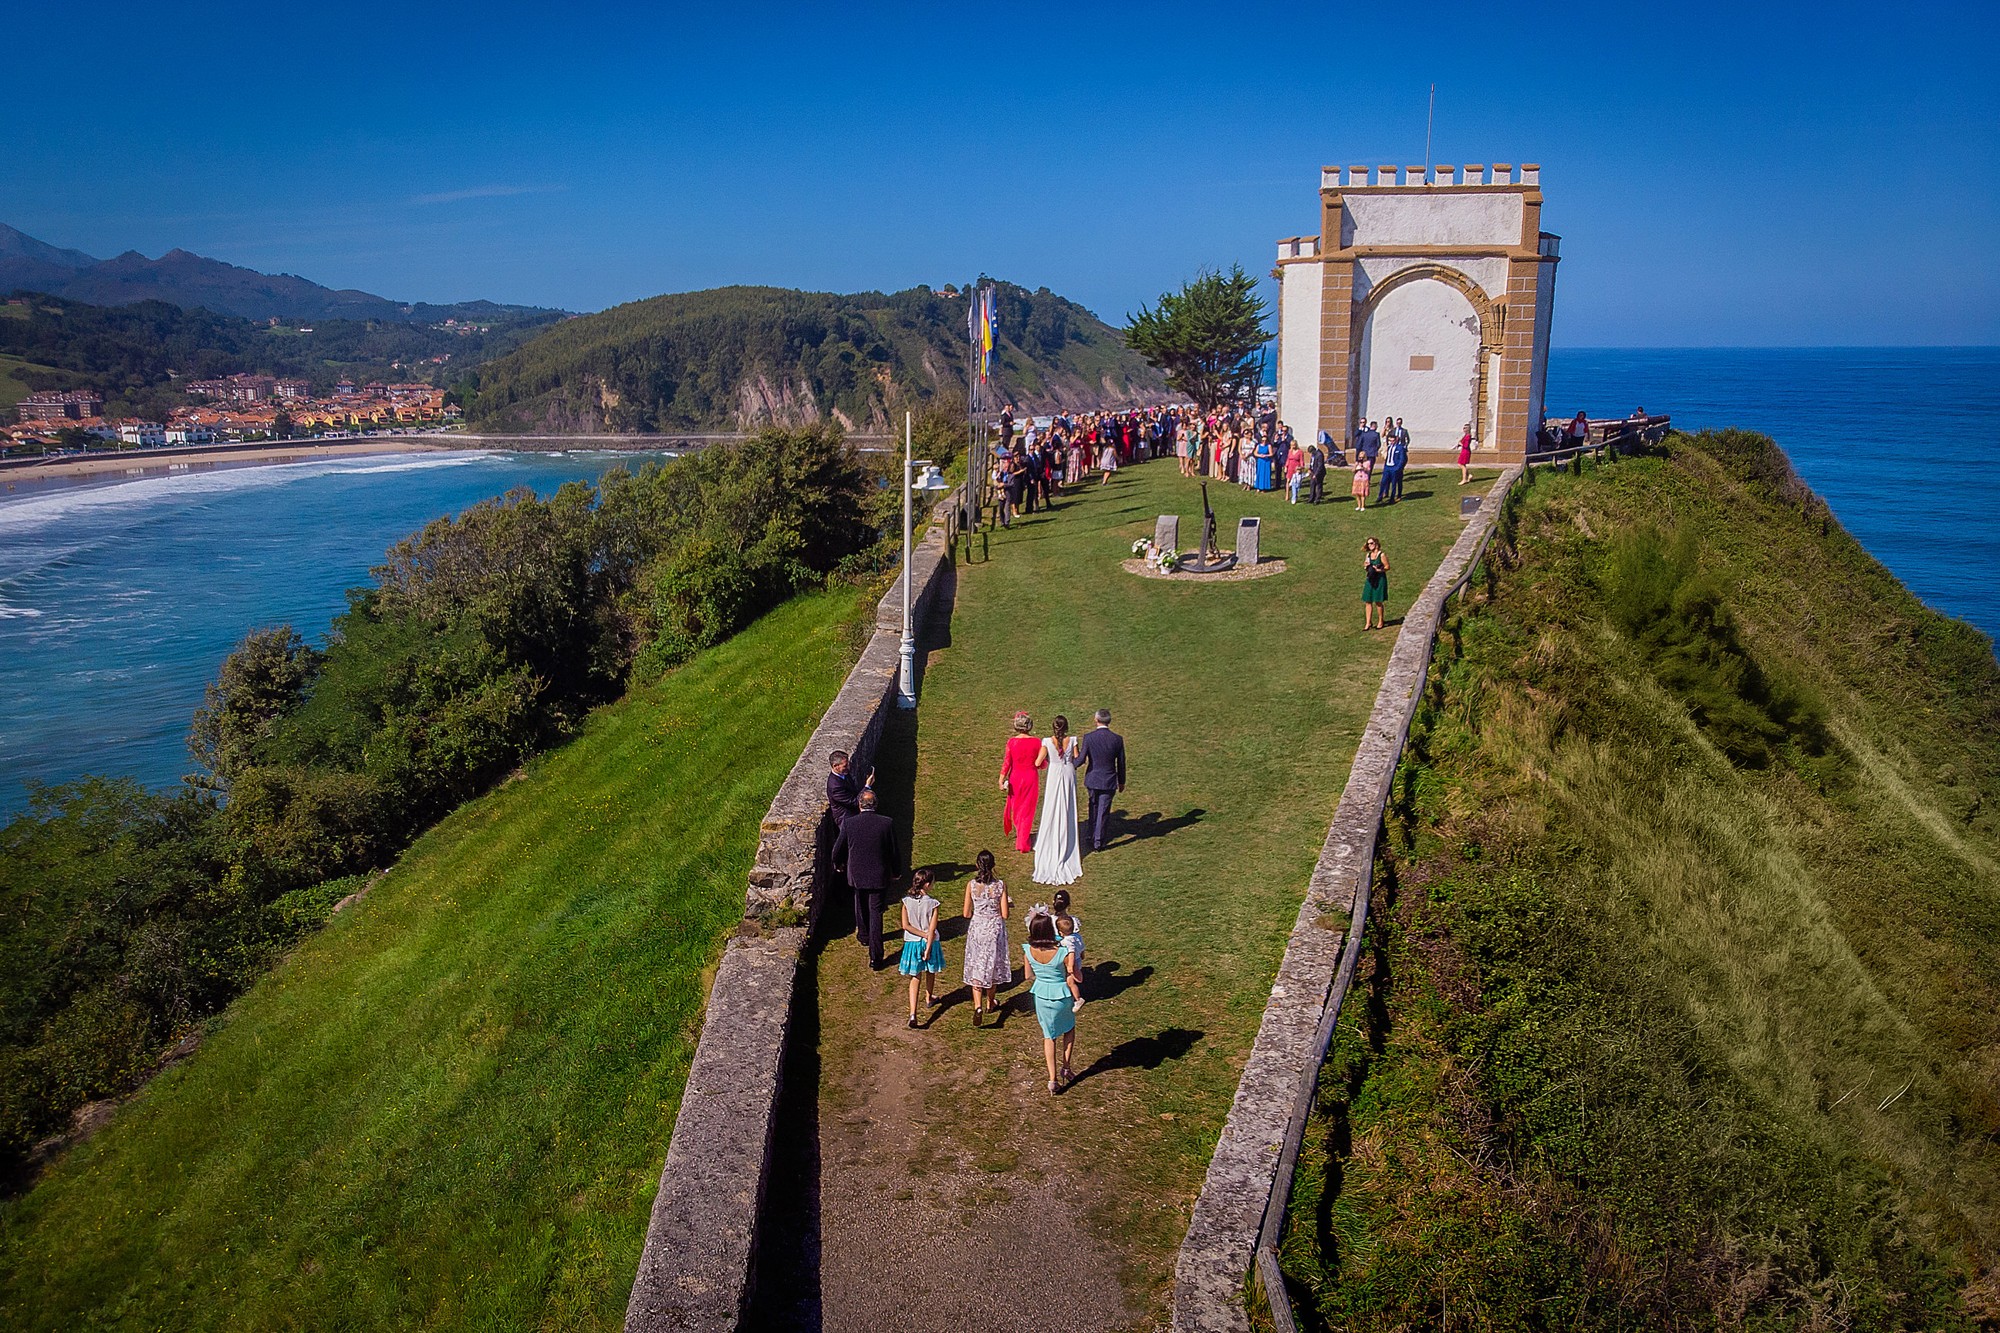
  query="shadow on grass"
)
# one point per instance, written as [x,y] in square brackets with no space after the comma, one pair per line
[1139,828]
[1144,1052]
[1103,981]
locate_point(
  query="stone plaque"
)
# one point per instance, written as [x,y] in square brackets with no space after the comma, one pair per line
[1468,505]
[1246,541]
[1167,532]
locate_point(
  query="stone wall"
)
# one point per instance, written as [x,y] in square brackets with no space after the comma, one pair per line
[701,1242]
[1320,958]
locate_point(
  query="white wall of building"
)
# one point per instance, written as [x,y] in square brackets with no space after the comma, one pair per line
[1489,272]
[1423,319]
[1433,218]
[1298,348]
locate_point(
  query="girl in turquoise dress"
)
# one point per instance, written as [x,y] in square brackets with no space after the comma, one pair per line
[1057,991]
[923,951]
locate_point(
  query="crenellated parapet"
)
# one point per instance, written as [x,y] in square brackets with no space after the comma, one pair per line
[1474,176]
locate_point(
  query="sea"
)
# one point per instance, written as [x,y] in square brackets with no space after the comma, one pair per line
[119,599]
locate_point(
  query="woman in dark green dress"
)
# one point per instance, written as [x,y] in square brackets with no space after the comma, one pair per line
[1374,583]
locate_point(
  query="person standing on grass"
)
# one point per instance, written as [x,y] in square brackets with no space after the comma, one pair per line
[1058,858]
[1368,442]
[1465,455]
[1399,458]
[1360,487]
[989,964]
[1069,927]
[1020,783]
[1316,472]
[923,951]
[1103,752]
[1057,991]
[867,853]
[1374,583]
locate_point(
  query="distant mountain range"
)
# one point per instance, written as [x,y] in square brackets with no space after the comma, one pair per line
[193,282]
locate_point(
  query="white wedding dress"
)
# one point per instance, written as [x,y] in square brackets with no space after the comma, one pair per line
[1058,849]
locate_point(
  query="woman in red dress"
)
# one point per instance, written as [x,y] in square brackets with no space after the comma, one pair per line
[1021,781]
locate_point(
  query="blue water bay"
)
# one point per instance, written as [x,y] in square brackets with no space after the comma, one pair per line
[118,600]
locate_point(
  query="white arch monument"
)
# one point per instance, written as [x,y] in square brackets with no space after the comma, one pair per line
[1428,296]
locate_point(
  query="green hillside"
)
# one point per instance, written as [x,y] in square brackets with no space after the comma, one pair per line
[744,357]
[448,1108]
[1677,1010]
[138,356]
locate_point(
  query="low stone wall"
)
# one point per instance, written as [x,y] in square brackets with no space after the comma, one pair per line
[700,1250]
[1216,1255]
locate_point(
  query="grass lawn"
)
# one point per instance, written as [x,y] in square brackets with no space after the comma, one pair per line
[449,1108]
[1663,1032]
[1241,704]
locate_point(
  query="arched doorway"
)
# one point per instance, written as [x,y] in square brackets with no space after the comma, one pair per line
[1425,341]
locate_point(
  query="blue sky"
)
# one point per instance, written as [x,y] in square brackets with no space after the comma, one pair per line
[1722,174]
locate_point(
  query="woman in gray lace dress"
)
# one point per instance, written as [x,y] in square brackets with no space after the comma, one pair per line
[988,963]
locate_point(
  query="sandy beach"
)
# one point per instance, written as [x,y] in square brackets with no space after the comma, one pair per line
[154,461]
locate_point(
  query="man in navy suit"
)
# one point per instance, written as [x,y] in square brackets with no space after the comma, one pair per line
[867,852]
[843,794]
[1103,756]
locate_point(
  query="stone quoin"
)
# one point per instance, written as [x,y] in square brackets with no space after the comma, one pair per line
[1428,296]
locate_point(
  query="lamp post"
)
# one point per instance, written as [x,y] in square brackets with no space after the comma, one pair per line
[930,483]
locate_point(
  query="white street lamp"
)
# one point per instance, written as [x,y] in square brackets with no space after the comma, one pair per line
[930,483]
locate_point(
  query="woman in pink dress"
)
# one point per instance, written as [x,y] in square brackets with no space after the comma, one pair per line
[1020,780]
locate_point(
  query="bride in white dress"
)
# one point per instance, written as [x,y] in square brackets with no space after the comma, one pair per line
[1058,849]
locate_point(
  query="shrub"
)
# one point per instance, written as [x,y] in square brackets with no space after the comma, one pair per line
[1679,620]
[127,916]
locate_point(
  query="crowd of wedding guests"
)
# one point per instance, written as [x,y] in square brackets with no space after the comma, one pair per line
[1251,448]
[1038,782]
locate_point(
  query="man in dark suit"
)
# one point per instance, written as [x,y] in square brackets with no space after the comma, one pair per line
[1316,473]
[843,793]
[867,852]
[1103,753]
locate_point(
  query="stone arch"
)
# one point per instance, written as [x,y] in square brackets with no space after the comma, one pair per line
[1492,330]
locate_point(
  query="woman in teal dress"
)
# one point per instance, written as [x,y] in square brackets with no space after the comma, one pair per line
[1264,465]
[1058,992]
[1374,583]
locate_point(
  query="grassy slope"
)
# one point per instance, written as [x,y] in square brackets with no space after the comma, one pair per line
[13,387]
[1639,1017]
[449,1108]
[1241,705]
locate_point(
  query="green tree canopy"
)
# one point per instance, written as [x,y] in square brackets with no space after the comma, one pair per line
[1205,336]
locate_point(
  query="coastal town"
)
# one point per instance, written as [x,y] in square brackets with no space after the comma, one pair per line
[235,408]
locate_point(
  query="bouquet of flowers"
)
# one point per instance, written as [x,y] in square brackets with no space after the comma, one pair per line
[1169,561]
[1143,546]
